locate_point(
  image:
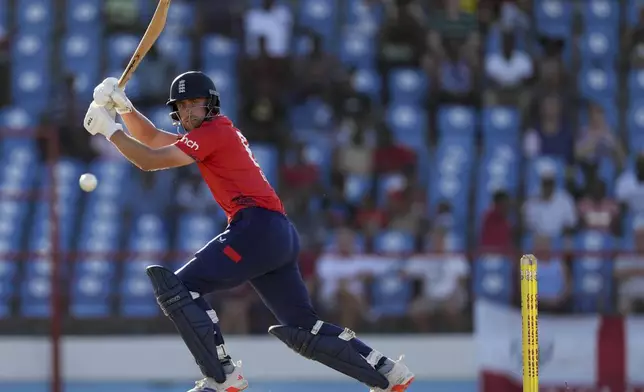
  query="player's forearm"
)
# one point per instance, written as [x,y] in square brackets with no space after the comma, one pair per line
[143,130]
[134,150]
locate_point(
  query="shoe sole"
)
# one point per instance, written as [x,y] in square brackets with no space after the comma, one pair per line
[402,387]
[237,388]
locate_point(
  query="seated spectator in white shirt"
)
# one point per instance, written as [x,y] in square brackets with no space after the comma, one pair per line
[275,22]
[552,213]
[443,279]
[508,70]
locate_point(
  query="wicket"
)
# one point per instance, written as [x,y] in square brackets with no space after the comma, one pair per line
[529,323]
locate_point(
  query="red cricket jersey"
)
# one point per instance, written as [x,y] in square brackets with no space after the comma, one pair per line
[228,166]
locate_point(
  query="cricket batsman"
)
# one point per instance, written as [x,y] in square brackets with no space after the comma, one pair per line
[260,245]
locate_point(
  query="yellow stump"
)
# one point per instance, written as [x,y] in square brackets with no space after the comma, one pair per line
[529,321]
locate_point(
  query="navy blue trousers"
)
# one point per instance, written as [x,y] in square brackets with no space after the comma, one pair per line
[261,247]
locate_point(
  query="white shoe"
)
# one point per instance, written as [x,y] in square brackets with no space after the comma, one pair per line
[235,382]
[399,377]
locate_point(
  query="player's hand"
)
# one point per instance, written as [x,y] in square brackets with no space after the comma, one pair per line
[100,119]
[109,94]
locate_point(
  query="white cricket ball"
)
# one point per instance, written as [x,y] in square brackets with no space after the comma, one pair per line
[88,182]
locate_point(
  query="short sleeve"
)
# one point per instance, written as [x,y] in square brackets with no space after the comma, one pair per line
[198,143]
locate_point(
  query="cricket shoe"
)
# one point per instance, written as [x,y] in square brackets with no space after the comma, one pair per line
[235,382]
[399,377]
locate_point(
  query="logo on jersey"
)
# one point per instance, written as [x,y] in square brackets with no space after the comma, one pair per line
[182,86]
[190,143]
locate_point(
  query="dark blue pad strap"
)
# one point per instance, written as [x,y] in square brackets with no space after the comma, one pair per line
[192,322]
[331,351]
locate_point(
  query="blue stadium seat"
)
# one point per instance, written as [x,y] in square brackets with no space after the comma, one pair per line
[226,82]
[636,85]
[456,121]
[536,166]
[31,85]
[30,48]
[160,116]
[408,86]
[4,15]
[408,123]
[592,273]
[219,52]
[170,45]
[136,297]
[366,18]
[357,50]
[450,176]
[81,57]
[393,242]
[493,277]
[321,16]
[527,243]
[603,13]
[554,17]
[391,295]
[599,45]
[498,170]
[35,16]
[356,187]
[7,292]
[121,47]
[597,84]
[90,296]
[500,120]
[368,82]
[182,10]
[83,16]
[35,295]
[633,11]
[16,118]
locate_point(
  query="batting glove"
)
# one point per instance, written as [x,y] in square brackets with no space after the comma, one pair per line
[100,119]
[109,94]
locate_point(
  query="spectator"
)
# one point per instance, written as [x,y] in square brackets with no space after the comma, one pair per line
[455,77]
[496,230]
[629,273]
[356,156]
[507,72]
[551,213]
[452,22]
[342,280]
[402,216]
[154,68]
[299,176]
[221,17]
[443,279]
[265,73]
[264,116]
[391,157]
[401,40]
[273,21]
[629,188]
[597,141]
[551,134]
[597,211]
[122,16]
[554,277]
[66,116]
[369,218]
[319,73]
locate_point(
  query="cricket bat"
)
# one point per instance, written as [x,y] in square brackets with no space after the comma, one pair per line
[151,35]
